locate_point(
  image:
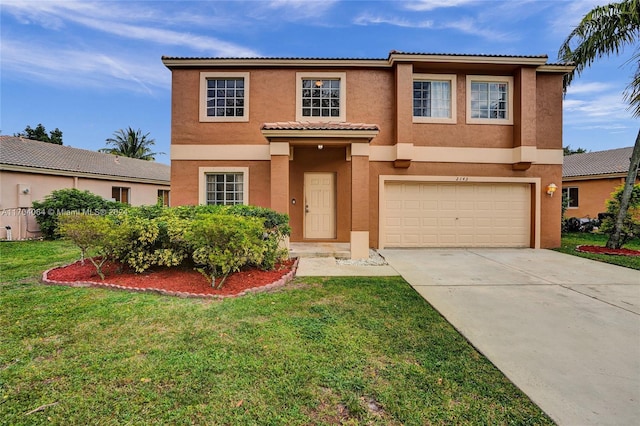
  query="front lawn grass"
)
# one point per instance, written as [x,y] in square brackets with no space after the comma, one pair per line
[319,351]
[571,240]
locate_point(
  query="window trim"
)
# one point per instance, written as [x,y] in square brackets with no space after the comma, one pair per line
[491,79]
[161,193]
[452,79]
[120,190]
[204,171]
[342,76]
[568,190]
[204,77]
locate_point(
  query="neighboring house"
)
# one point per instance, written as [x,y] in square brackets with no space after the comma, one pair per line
[589,179]
[415,150]
[30,170]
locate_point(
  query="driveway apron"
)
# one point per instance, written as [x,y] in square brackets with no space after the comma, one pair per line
[565,330]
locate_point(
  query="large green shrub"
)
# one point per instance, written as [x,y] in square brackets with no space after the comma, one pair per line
[156,239]
[66,201]
[631,222]
[223,244]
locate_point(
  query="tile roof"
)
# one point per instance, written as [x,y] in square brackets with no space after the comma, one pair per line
[612,161]
[319,58]
[305,125]
[15,151]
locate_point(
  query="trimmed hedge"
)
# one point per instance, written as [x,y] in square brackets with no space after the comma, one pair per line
[216,240]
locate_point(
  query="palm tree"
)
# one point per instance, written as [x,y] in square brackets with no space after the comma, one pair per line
[131,143]
[604,31]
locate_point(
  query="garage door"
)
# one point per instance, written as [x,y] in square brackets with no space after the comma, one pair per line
[418,214]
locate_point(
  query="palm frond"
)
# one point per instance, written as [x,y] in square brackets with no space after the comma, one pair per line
[604,31]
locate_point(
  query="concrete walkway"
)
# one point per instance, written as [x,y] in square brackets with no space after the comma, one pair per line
[565,330]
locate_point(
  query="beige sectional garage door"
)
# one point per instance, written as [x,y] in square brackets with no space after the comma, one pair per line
[419,214]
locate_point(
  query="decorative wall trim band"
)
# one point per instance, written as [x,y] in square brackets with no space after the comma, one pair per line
[382,153]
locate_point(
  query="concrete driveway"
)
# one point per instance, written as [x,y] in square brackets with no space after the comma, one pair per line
[565,330]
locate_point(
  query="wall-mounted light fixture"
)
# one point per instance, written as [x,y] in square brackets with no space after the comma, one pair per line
[320,146]
[551,188]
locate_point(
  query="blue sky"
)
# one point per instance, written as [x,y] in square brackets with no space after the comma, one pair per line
[91,68]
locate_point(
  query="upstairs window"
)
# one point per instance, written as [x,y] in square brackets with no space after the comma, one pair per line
[320,97]
[224,96]
[434,98]
[490,100]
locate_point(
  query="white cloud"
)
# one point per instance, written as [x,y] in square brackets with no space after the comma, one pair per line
[73,67]
[471,27]
[302,9]
[589,88]
[112,18]
[427,5]
[367,19]
[608,111]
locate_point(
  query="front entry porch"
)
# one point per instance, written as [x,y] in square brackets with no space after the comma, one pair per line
[320,178]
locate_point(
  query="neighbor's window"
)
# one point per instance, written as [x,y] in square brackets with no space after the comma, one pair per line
[434,98]
[321,97]
[224,96]
[163,197]
[489,100]
[572,194]
[225,188]
[120,194]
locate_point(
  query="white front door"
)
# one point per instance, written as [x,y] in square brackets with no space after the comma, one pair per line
[320,205]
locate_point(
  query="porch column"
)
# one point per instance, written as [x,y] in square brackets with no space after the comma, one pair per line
[280,176]
[359,200]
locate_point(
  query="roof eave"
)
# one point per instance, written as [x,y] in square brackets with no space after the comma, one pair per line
[270,62]
[467,59]
[305,133]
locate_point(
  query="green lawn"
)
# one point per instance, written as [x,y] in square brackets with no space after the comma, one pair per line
[571,240]
[319,351]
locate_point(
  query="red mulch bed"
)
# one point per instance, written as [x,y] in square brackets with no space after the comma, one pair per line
[174,281]
[605,250]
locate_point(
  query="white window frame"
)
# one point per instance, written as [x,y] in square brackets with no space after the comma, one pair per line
[568,192]
[204,171]
[342,76]
[452,79]
[204,77]
[491,79]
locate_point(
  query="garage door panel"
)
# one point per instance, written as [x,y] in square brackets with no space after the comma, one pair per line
[457,215]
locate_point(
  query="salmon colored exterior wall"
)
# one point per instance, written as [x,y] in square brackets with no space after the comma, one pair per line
[380,96]
[41,185]
[592,195]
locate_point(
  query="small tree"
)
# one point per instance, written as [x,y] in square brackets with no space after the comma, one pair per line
[40,134]
[630,226]
[78,229]
[98,237]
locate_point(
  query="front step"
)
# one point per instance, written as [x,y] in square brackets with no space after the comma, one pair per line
[336,250]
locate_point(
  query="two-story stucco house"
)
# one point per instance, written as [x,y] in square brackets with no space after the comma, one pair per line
[415,150]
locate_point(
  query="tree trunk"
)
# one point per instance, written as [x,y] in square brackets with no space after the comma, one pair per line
[614,238]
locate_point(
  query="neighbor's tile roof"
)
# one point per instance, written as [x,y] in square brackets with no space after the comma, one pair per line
[597,163]
[305,125]
[17,151]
